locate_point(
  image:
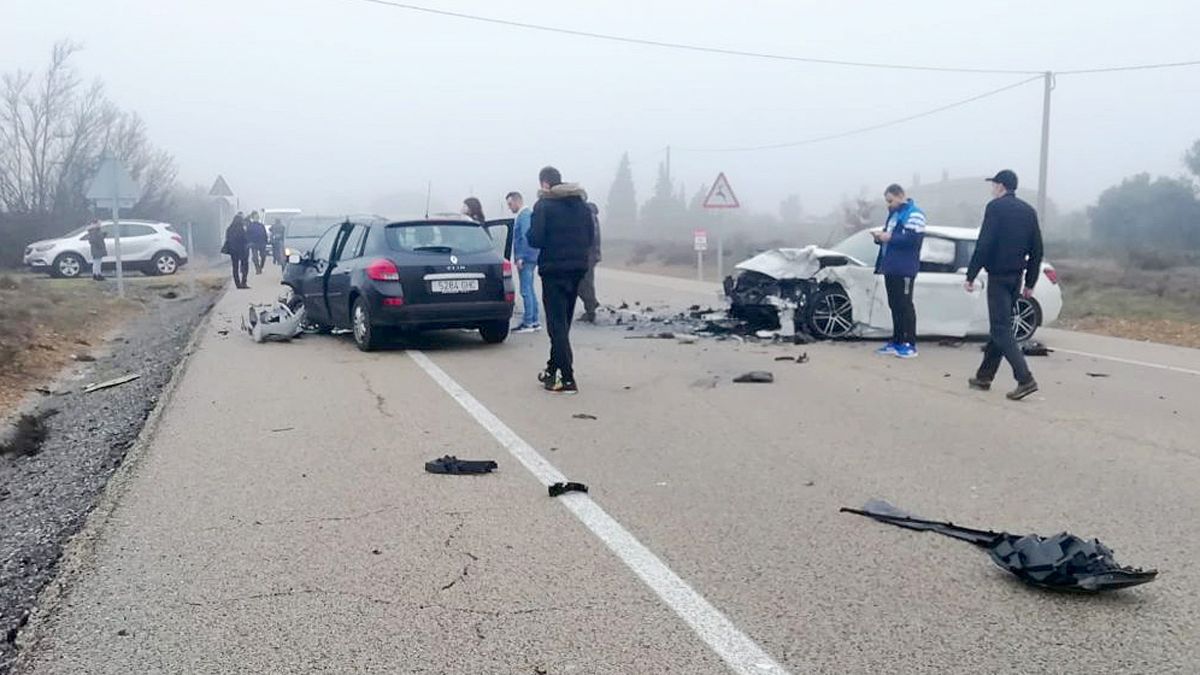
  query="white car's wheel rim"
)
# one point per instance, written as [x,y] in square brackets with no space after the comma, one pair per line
[166,264]
[361,329]
[1025,319]
[69,266]
[832,315]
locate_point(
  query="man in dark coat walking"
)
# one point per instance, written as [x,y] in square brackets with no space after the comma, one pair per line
[237,247]
[587,287]
[256,236]
[563,229]
[1010,245]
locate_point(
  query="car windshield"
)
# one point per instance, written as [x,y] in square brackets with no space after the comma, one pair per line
[859,246]
[439,237]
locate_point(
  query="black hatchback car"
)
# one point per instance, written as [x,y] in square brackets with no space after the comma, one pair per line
[376,276]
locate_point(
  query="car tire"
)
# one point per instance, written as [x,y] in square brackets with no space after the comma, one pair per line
[494,332]
[164,263]
[1027,318]
[68,266]
[830,314]
[366,335]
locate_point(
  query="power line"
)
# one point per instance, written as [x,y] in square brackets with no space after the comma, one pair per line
[874,127]
[1118,69]
[691,47]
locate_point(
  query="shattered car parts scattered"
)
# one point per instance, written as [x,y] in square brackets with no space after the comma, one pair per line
[559,489]
[1061,562]
[277,322]
[755,377]
[455,466]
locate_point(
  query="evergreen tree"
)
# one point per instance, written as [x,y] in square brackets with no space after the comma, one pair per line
[621,212]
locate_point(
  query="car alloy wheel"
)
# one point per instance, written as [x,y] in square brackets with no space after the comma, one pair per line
[364,332]
[1027,317]
[832,315]
[69,266]
[166,264]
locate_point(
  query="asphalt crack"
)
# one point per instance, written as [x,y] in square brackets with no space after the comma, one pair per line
[380,401]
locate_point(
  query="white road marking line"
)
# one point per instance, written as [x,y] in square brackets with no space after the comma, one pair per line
[739,652]
[1132,362]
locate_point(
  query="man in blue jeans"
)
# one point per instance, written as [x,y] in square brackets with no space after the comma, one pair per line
[525,257]
[1009,248]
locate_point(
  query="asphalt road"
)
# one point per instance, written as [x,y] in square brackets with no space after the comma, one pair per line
[281,520]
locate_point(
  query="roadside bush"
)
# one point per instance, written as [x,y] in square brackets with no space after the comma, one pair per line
[641,253]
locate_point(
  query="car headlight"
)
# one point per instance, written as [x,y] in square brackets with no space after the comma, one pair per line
[42,248]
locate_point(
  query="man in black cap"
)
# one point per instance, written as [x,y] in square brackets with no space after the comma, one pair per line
[1010,244]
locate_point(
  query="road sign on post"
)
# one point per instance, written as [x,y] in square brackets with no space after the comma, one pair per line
[700,243]
[221,192]
[721,196]
[113,187]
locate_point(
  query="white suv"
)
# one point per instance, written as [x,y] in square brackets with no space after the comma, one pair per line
[153,248]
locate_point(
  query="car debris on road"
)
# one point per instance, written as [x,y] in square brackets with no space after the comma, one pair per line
[559,489]
[275,323]
[454,466]
[115,382]
[755,377]
[1061,562]
[584,416]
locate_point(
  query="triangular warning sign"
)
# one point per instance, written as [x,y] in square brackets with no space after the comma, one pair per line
[721,195]
[220,188]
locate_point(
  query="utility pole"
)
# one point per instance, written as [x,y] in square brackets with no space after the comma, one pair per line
[1045,158]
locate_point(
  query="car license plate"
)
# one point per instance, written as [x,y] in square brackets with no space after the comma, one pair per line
[455,285]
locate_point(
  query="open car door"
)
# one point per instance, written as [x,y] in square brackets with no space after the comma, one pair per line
[501,231]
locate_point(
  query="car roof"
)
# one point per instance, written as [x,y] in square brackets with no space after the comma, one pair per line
[436,218]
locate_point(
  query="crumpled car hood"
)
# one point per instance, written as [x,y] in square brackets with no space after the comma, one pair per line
[793,263]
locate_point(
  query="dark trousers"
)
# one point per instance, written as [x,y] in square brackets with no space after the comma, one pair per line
[904,314]
[587,292]
[259,253]
[241,268]
[1001,295]
[559,291]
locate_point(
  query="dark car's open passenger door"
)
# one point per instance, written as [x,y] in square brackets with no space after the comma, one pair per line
[501,231]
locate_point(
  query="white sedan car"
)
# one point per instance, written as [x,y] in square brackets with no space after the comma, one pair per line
[843,297]
[153,248]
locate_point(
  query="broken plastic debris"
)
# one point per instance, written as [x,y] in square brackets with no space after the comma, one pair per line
[1035,348]
[562,488]
[110,383]
[1097,374]
[755,377]
[584,416]
[1062,562]
[455,466]
[273,322]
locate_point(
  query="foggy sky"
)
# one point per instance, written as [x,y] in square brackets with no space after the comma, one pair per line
[332,104]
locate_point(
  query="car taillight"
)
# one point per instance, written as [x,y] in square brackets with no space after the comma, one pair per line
[383,270]
[1051,274]
[510,298]
[393,302]
[506,268]
[178,239]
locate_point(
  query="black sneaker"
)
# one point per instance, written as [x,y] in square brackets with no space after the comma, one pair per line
[1022,390]
[562,387]
[979,383]
[547,376]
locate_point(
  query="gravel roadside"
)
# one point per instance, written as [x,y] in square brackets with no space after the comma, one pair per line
[46,496]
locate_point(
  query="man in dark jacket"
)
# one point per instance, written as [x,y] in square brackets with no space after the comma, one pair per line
[563,228]
[256,236]
[587,287]
[98,249]
[1010,244]
[237,247]
[898,261]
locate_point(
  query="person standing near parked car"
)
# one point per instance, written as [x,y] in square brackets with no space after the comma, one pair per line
[95,237]
[898,261]
[587,287]
[237,247]
[525,258]
[474,210]
[1010,244]
[563,229]
[277,233]
[256,236]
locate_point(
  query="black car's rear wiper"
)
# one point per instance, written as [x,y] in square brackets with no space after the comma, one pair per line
[434,249]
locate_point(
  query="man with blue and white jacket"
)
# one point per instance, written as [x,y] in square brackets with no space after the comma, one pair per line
[525,257]
[898,261]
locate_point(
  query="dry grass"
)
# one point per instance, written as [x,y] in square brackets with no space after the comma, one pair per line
[47,323]
[1156,305]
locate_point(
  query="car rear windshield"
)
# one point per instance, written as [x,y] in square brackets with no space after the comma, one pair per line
[464,238]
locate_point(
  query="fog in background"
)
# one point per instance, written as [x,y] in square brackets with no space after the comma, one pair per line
[347,106]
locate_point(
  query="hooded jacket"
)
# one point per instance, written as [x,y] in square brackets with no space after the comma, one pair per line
[95,237]
[901,256]
[563,228]
[236,243]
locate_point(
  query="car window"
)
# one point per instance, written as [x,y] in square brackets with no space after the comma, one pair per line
[938,255]
[860,246]
[353,247]
[966,249]
[134,230]
[324,245]
[110,231]
[465,238]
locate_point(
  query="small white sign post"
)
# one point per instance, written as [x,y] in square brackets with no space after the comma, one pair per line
[113,187]
[721,196]
[700,243]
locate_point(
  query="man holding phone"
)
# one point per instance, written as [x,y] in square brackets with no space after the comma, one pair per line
[898,261]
